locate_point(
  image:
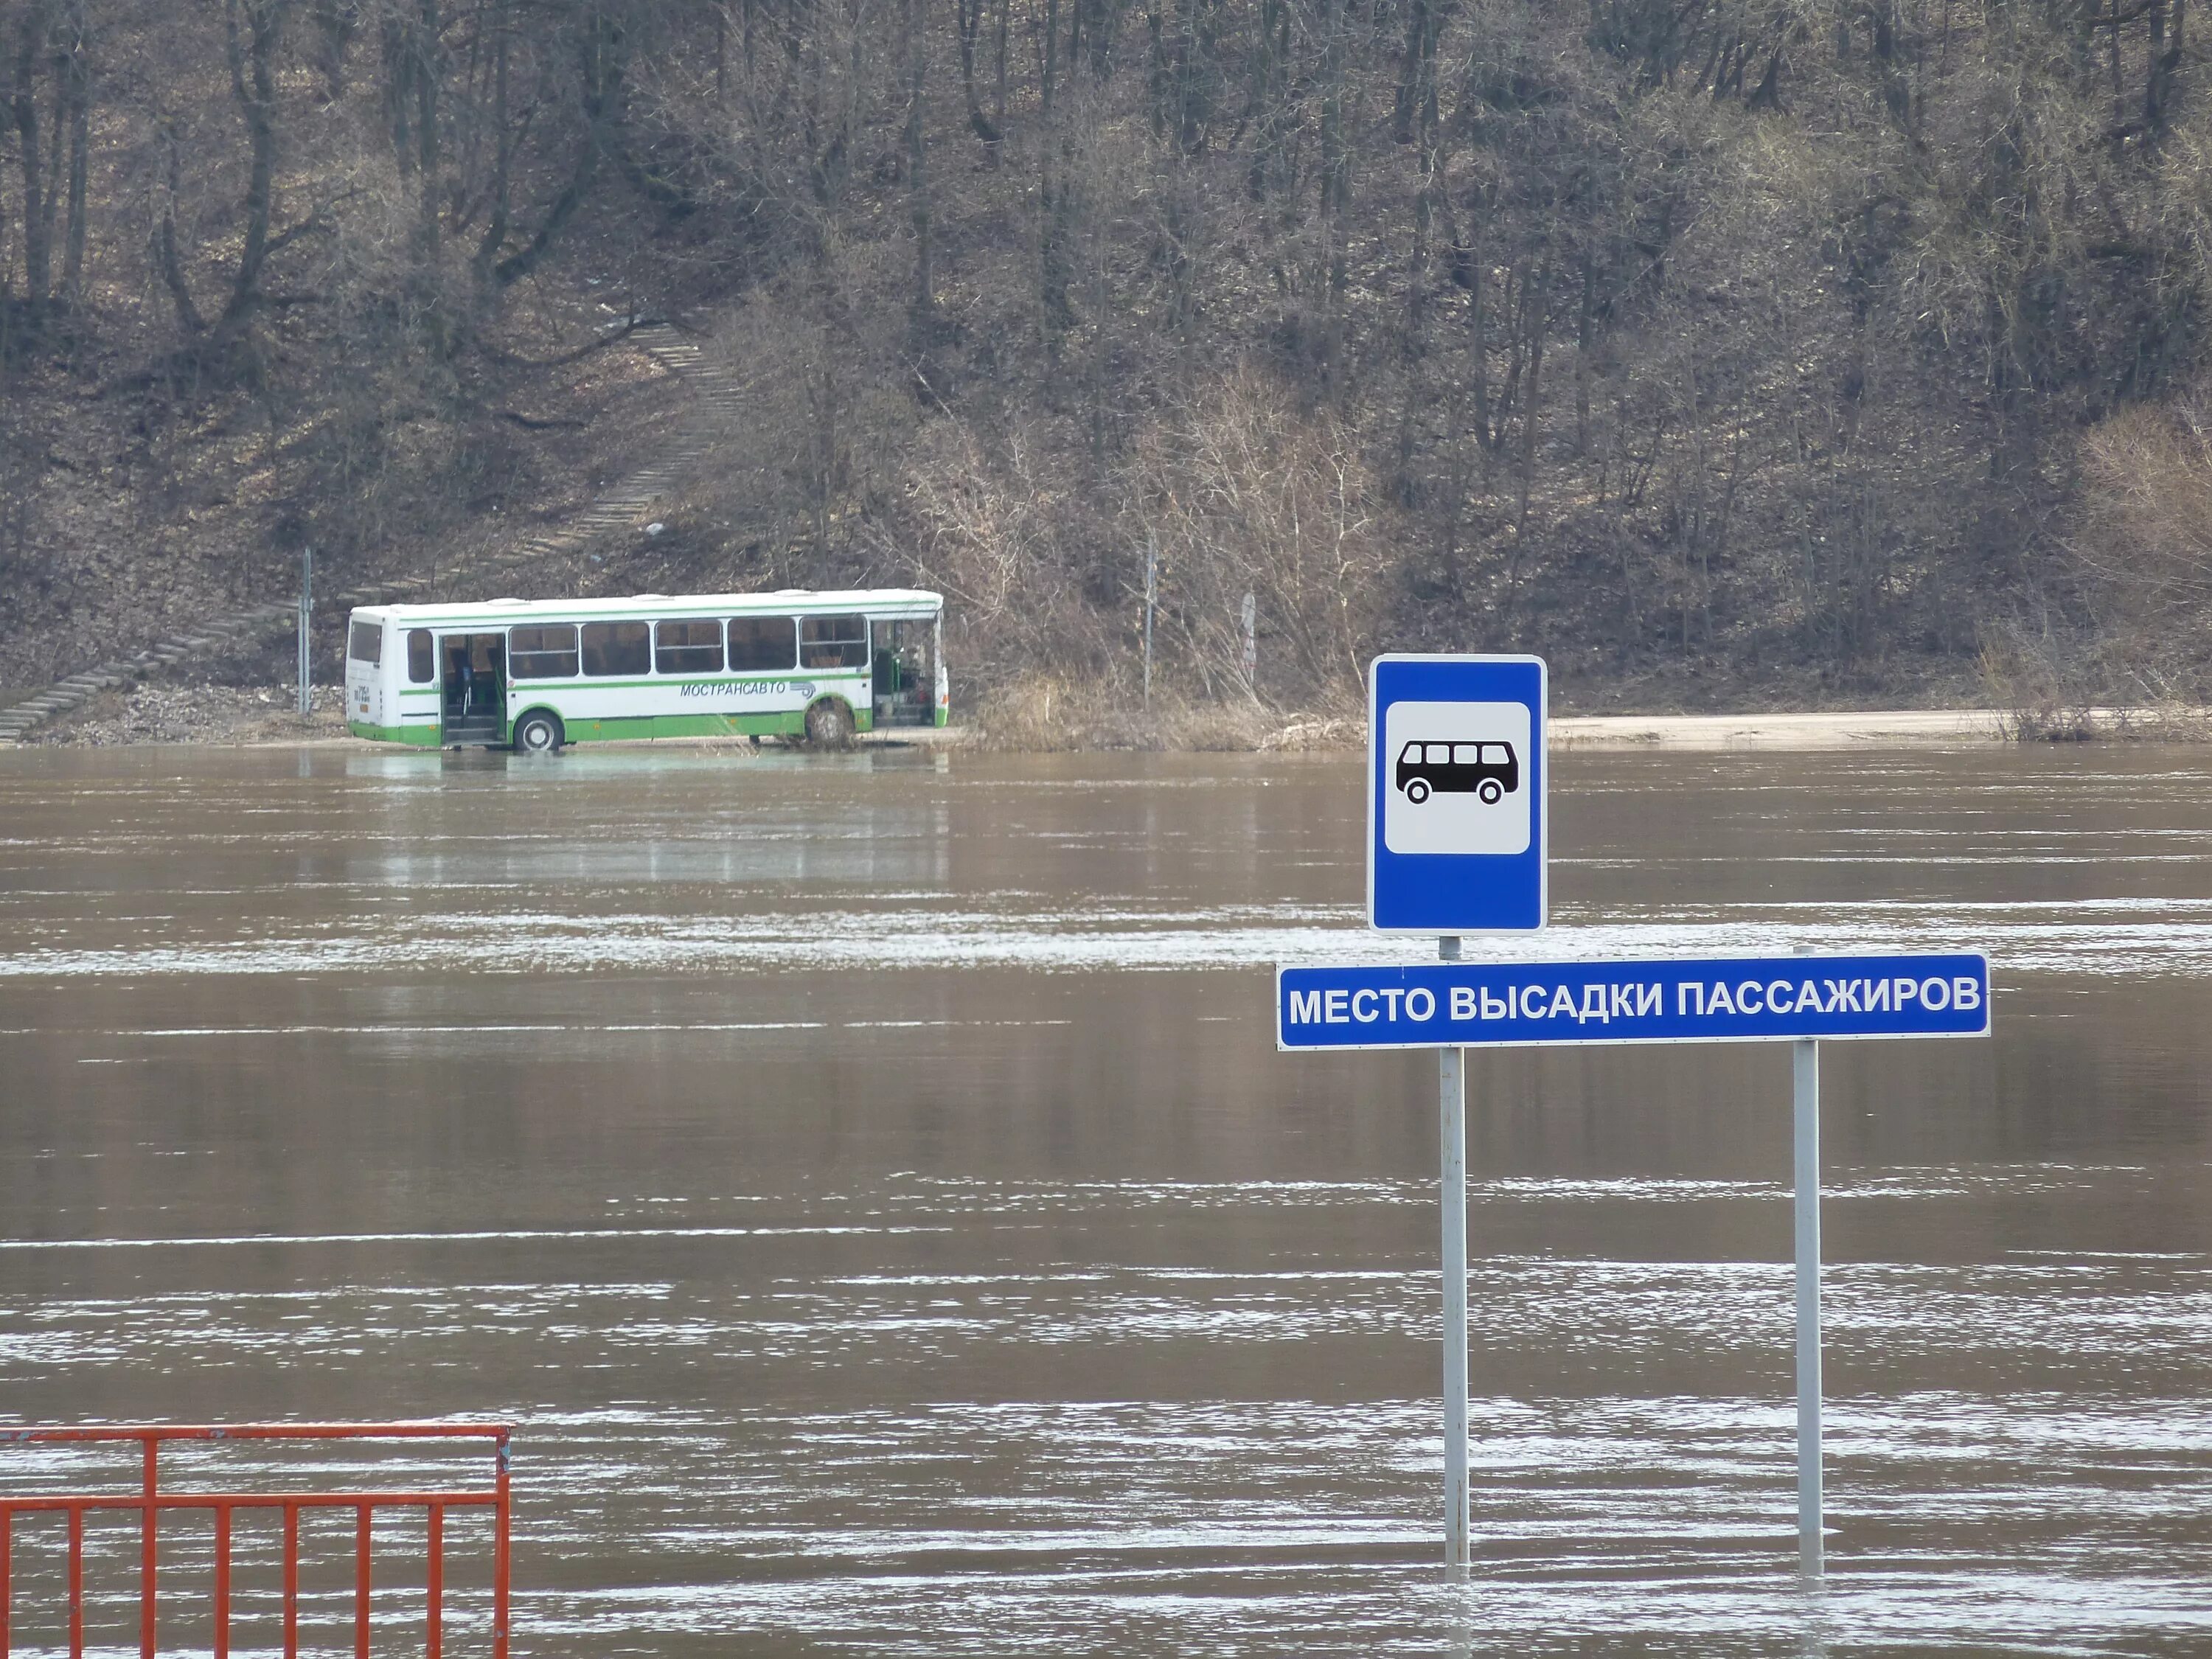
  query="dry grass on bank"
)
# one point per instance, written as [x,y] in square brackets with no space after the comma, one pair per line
[1040,714]
[2057,722]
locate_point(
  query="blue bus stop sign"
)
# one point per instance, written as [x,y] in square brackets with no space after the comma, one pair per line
[1456,776]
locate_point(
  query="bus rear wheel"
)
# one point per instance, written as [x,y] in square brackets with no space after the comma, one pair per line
[538,733]
[829,724]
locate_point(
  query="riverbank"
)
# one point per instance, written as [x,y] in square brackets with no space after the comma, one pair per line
[231,716]
[1885,728]
[1891,728]
[1195,729]
[247,716]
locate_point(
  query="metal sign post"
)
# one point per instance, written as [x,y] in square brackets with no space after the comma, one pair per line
[1456,843]
[1805,1108]
[1451,1097]
[1451,1117]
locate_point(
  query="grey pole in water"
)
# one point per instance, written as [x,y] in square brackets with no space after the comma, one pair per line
[1805,1069]
[1451,1101]
[307,621]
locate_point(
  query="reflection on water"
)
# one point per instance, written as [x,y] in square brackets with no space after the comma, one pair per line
[870,1184]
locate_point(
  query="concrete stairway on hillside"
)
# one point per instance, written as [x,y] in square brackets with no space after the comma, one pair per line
[716,398]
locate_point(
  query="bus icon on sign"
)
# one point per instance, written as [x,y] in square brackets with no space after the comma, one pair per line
[1488,771]
[1457,777]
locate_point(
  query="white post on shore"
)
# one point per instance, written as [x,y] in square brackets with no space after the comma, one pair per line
[306,622]
[1152,600]
[1805,1070]
[1451,1102]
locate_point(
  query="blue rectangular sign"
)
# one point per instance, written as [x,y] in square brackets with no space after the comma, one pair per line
[1449,1004]
[1456,780]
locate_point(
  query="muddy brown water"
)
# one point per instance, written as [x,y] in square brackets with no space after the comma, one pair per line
[868,1184]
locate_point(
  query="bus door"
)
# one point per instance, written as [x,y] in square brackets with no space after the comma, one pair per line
[472,687]
[905,687]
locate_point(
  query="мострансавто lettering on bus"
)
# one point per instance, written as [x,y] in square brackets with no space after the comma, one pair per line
[745,688]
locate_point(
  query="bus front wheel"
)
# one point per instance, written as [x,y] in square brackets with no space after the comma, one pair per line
[829,724]
[538,733]
[1418,791]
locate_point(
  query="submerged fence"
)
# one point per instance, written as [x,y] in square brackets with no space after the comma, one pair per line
[151,1501]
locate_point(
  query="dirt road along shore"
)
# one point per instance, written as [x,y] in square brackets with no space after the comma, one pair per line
[1885,728]
[246,715]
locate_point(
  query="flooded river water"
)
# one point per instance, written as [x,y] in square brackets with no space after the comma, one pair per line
[869,1184]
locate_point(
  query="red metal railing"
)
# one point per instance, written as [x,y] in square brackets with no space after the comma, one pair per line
[151,1500]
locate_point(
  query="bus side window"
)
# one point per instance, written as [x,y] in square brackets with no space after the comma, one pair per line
[688,646]
[617,647]
[833,642]
[762,644]
[545,653]
[422,664]
[365,643]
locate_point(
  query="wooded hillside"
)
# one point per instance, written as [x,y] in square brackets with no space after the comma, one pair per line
[1718,349]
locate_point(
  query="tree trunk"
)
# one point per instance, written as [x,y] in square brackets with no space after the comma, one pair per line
[76,81]
[1335,198]
[1098,27]
[1263,110]
[605,59]
[1468,258]
[1585,334]
[23,104]
[1101,340]
[251,50]
[999,94]
[921,320]
[495,223]
[426,76]
[1057,315]
[1413,342]
[2165,59]
[1414,103]
[1534,311]
[1418,106]
[396,38]
[166,258]
[335,21]
[970,20]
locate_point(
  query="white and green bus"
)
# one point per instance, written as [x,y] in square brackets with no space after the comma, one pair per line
[540,673]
